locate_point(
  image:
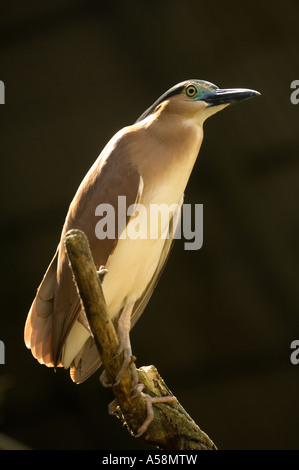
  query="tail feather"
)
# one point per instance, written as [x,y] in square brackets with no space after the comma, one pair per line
[86,362]
[38,327]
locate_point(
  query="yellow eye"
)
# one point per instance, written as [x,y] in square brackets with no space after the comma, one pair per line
[191,91]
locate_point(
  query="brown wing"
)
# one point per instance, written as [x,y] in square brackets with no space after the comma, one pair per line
[56,305]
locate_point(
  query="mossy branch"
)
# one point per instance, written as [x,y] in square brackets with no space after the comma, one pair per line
[172,428]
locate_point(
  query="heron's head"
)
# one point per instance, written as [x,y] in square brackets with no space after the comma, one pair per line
[196,100]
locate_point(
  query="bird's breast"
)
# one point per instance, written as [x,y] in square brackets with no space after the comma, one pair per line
[165,170]
[137,254]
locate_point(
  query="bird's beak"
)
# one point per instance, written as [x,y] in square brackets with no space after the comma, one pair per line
[227,96]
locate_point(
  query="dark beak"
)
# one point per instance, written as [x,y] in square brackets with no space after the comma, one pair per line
[231,95]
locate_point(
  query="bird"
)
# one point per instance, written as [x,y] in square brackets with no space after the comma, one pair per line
[148,162]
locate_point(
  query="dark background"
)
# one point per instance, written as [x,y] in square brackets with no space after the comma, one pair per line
[220,323]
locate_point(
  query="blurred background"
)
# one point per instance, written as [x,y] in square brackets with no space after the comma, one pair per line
[221,321]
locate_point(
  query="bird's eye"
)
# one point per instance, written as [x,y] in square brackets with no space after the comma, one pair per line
[191,91]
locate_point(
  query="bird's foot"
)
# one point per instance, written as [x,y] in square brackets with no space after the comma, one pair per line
[150,401]
[149,408]
[124,326]
[104,380]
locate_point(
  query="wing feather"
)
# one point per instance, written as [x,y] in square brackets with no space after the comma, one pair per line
[56,305]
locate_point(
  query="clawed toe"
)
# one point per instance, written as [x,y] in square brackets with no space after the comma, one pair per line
[104,380]
[150,410]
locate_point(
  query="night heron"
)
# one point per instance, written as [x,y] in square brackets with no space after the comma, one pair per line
[148,163]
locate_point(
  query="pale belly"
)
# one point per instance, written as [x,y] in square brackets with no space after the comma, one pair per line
[130,270]
[134,261]
[132,265]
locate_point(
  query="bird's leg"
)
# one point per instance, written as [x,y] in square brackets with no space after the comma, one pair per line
[124,327]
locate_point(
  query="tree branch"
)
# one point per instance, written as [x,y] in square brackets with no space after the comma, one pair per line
[172,427]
